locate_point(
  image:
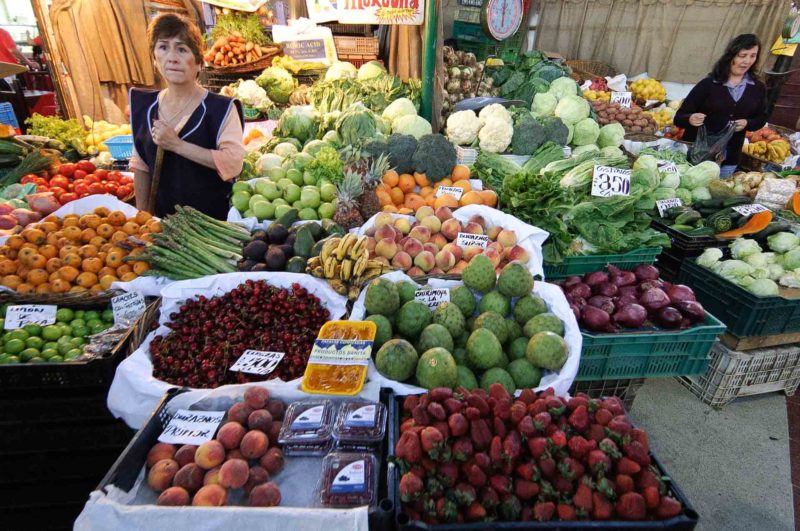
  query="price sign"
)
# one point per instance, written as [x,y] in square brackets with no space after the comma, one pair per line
[465,239]
[665,204]
[257,362]
[623,98]
[455,191]
[128,307]
[191,427]
[749,210]
[608,181]
[432,297]
[667,166]
[38,314]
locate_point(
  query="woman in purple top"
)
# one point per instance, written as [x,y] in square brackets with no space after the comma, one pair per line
[732,92]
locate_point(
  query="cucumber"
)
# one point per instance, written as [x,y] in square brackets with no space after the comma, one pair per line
[774,227]
[682,228]
[688,218]
[736,201]
[701,231]
[708,203]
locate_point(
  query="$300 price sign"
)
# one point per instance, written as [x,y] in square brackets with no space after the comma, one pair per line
[608,181]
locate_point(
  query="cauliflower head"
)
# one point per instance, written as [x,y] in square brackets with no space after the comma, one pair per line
[495,110]
[462,127]
[495,136]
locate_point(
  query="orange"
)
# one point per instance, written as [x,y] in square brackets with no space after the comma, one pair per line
[114,258]
[97,242]
[37,261]
[425,191]
[87,251]
[127,277]
[421,179]
[25,288]
[12,281]
[124,268]
[8,267]
[91,264]
[107,280]
[37,276]
[489,197]
[49,226]
[53,276]
[77,289]
[383,197]
[35,236]
[119,236]
[52,238]
[391,178]
[73,233]
[53,265]
[68,273]
[105,230]
[44,288]
[67,249]
[390,208]
[404,210]
[460,172]
[15,241]
[28,245]
[52,219]
[89,221]
[464,185]
[140,267]
[87,235]
[72,259]
[70,220]
[142,217]
[59,286]
[471,198]
[106,247]
[97,288]
[397,196]
[407,183]
[86,279]
[105,271]
[131,227]
[117,218]
[25,254]
[9,253]
[22,271]
[48,251]
[445,200]
[414,202]
[102,211]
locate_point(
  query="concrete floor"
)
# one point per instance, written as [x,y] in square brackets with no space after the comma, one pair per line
[732,464]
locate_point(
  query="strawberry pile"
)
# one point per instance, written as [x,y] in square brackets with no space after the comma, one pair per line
[467,456]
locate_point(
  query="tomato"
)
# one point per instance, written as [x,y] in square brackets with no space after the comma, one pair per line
[124,191]
[111,188]
[126,180]
[70,187]
[102,173]
[96,188]
[58,192]
[29,178]
[86,166]
[60,181]
[40,182]
[79,174]
[84,195]
[46,174]
[92,178]
[42,188]
[67,169]
[68,197]
[81,188]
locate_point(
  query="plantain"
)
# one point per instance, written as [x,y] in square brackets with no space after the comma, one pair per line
[360,244]
[318,272]
[329,266]
[328,248]
[313,262]
[353,292]
[344,246]
[338,286]
[361,263]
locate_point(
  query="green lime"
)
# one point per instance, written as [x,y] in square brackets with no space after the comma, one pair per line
[80,331]
[33,329]
[77,342]
[51,332]
[91,322]
[15,346]
[77,322]
[92,314]
[72,354]
[12,359]
[19,334]
[28,354]
[56,359]
[49,353]
[79,314]
[108,316]
[66,330]
[2,324]
[50,344]
[99,327]
[65,315]
[63,348]
[36,359]
[34,342]
[4,357]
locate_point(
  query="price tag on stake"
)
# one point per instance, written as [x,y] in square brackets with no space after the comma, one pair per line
[667,166]
[466,239]
[749,210]
[25,314]
[257,362]
[128,307]
[432,297]
[623,98]
[455,191]
[191,427]
[608,181]
[665,204]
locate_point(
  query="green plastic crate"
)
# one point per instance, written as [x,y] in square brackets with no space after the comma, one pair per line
[648,354]
[744,313]
[579,265]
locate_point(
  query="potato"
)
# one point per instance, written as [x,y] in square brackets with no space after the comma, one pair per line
[627,122]
[636,129]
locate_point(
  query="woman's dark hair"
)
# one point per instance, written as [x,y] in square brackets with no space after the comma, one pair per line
[169,25]
[722,68]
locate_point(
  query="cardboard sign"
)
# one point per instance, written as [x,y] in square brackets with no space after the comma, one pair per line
[392,12]
[312,50]
[608,181]
[465,239]
[128,307]
[749,210]
[623,98]
[432,297]
[665,204]
[455,191]
[39,314]
[258,362]
[191,427]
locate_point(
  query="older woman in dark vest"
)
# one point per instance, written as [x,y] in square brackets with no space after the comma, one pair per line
[200,132]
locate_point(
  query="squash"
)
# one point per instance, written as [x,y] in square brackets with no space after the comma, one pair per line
[756,223]
[794,204]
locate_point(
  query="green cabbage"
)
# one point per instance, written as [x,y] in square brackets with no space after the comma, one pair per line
[572,109]
[611,151]
[709,257]
[611,135]
[763,287]
[701,194]
[563,86]
[699,176]
[357,124]
[664,193]
[775,272]
[299,121]
[586,132]
[757,260]
[684,195]
[741,248]
[399,107]
[544,104]
[670,180]
[734,269]
[370,70]
[646,161]
[791,260]
[783,242]
[278,83]
[416,126]
[588,148]
[341,70]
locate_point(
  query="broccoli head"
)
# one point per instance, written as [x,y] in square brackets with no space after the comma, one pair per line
[528,136]
[555,130]
[435,157]
[376,147]
[401,152]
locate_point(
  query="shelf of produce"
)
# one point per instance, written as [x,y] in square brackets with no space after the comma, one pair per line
[578,265]
[648,354]
[733,374]
[744,313]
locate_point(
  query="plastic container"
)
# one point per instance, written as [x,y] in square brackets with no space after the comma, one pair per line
[340,368]
[360,426]
[307,428]
[744,313]
[7,115]
[684,245]
[120,147]
[578,265]
[348,480]
[625,390]
[648,354]
[669,265]
[734,373]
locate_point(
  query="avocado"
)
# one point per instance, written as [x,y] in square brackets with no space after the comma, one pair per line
[315,229]
[304,241]
[260,234]
[291,238]
[254,250]
[296,264]
[288,218]
[246,264]
[287,250]
[330,228]
[277,233]
[275,259]
[317,248]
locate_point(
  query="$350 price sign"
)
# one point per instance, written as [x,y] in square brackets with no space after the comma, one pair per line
[608,181]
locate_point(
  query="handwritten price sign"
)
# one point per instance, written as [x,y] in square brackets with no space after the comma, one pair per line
[257,362]
[749,210]
[665,204]
[38,314]
[608,181]
[623,98]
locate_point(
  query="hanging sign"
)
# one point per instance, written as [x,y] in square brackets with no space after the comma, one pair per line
[391,12]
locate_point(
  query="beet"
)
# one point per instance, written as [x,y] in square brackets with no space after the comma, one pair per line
[630,316]
[654,299]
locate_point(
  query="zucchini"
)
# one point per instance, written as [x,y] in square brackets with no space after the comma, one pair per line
[682,228]
[708,203]
[688,218]
[674,212]
[779,225]
[736,201]
[701,231]
[11,148]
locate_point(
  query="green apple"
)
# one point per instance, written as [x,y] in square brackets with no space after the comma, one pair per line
[264,210]
[310,197]
[291,193]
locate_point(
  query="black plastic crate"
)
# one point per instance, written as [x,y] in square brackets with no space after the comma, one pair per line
[27,439]
[669,265]
[684,522]
[58,408]
[54,467]
[684,245]
[44,515]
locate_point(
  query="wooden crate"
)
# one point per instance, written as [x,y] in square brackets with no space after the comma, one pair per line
[356,47]
[750,343]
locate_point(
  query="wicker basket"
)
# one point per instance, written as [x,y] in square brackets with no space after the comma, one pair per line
[590,69]
[350,29]
[641,137]
[260,64]
[73,300]
[143,326]
[749,162]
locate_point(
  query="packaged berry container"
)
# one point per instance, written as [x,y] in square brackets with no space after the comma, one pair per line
[307,427]
[360,426]
[348,480]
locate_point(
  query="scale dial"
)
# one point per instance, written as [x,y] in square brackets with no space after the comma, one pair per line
[501,18]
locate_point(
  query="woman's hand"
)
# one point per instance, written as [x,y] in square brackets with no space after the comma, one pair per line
[740,124]
[164,136]
[697,119]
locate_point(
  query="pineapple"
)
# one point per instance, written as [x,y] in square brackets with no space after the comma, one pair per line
[347,194]
[370,205]
[354,160]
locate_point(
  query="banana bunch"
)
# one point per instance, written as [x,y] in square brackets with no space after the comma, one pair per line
[756,149]
[778,150]
[345,263]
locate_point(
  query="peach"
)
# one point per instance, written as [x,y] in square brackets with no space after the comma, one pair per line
[266,495]
[234,454]
[430,247]
[424,212]
[403,225]
[160,451]
[210,496]
[370,231]
[239,412]
[412,247]
[383,219]
[518,254]
[492,232]
[402,261]
[498,269]
[471,251]
[493,256]
[185,454]
[173,496]
[473,228]
[383,260]
[425,261]
[160,476]
[260,419]
[403,241]
[445,260]
[443,213]
[258,475]
[370,244]
[272,461]
[212,476]
[189,477]
[458,268]
[421,233]
[497,247]
[507,238]
[439,240]
[386,231]
[436,271]
[256,397]
[450,228]
[398,236]
[386,248]
[254,444]
[477,218]
[415,272]
[454,249]
[433,223]
[274,431]
[210,454]
[234,473]
[230,435]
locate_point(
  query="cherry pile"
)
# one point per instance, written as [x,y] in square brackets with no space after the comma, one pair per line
[208,335]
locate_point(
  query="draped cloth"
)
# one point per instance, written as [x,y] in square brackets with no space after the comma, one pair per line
[672,40]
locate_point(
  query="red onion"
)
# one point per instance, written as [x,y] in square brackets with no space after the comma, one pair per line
[576,311]
[649,284]
[691,310]
[646,272]
[580,290]
[624,278]
[605,288]
[630,316]
[602,302]
[654,299]
[624,300]
[580,302]
[680,292]
[685,323]
[571,281]
[669,317]
[628,290]
[597,277]
[596,319]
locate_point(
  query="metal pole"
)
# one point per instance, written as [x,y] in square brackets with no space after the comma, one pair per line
[429,59]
